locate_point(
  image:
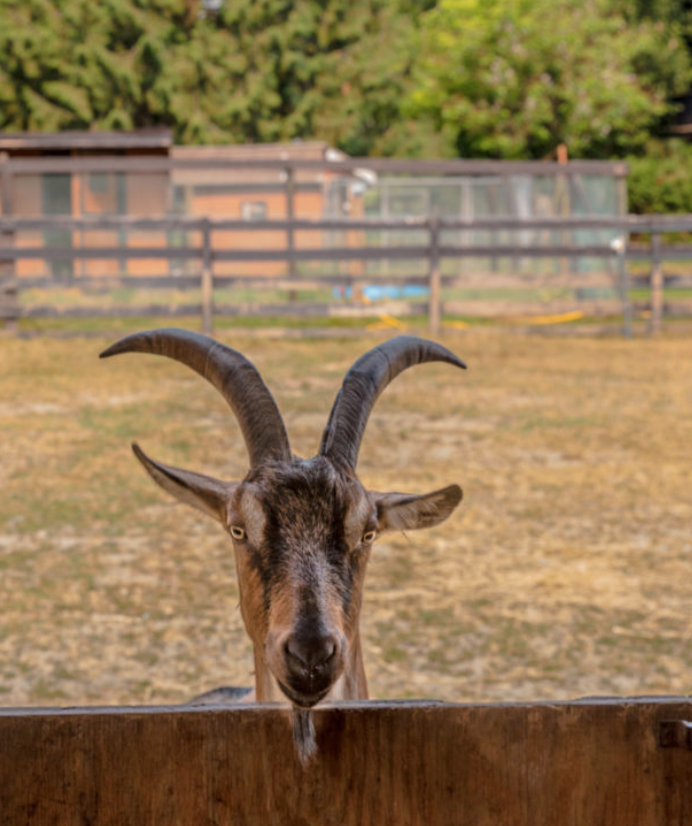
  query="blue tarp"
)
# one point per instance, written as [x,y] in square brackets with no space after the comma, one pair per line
[376,292]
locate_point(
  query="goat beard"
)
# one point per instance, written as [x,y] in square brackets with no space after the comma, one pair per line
[304,734]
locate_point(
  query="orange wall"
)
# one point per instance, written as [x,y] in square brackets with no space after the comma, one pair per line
[307,205]
[148,195]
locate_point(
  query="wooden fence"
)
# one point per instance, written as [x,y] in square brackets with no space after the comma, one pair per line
[581,289]
[585,763]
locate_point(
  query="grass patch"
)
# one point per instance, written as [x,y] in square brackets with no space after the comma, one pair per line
[565,571]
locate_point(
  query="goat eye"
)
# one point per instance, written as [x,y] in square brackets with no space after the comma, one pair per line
[237,533]
[369,537]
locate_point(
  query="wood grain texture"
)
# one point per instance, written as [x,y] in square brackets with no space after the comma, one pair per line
[595,763]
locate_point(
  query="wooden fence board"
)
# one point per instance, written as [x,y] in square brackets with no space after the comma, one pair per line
[629,224]
[402,309]
[589,293]
[588,763]
[455,166]
[504,308]
[639,224]
[677,309]
[471,281]
[115,311]
[404,251]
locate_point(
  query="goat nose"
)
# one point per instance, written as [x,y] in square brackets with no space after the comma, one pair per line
[310,653]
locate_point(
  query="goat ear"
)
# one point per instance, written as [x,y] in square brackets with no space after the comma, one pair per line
[406,511]
[211,496]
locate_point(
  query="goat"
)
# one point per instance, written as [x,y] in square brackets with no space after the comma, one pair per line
[302,530]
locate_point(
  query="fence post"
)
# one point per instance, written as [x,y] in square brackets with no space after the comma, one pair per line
[207,280]
[9,304]
[434,276]
[656,285]
[290,235]
[619,244]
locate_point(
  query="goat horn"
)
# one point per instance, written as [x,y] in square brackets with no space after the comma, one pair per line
[363,385]
[236,378]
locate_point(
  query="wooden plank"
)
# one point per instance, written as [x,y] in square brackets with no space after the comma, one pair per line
[127,223]
[677,309]
[623,224]
[412,252]
[323,254]
[9,305]
[305,254]
[180,253]
[86,139]
[347,165]
[484,280]
[5,186]
[98,284]
[207,283]
[10,310]
[677,280]
[667,252]
[134,223]
[240,310]
[390,308]
[290,193]
[562,764]
[434,286]
[102,284]
[473,308]
[471,281]
[656,285]
[499,308]
[514,250]
[163,310]
[527,251]
[99,253]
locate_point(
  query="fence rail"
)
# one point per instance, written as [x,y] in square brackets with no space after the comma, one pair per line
[597,762]
[392,166]
[203,249]
[627,224]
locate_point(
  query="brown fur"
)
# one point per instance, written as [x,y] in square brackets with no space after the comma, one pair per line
[302,530]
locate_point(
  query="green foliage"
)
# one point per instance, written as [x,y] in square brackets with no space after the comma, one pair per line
[331,70]
[515,78]
[661,180]
[258,70]
[665,11]
[73,64]
[477,78]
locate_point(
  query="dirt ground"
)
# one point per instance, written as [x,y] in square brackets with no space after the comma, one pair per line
[566,571]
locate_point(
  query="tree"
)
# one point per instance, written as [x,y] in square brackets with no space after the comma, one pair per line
[661,180]
[248,70]
[73,64]
[479,78]
[328,69]
[515,78]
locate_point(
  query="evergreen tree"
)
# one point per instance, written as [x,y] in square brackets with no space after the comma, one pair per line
[255,70]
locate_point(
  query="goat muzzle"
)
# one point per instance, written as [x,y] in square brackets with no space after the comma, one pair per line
[311,664]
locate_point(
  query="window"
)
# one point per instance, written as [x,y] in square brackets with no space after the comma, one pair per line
[56,198]
[56,194]
[98,182]
[253,210]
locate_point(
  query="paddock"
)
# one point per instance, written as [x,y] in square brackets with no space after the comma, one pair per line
[596,762]
[566,574]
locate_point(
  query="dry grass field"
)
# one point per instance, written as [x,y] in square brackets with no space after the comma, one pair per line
[566,572]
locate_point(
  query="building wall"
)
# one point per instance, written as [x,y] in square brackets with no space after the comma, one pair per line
[251,194]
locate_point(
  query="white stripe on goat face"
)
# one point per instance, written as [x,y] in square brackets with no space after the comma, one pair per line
[301,568]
